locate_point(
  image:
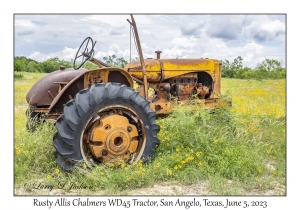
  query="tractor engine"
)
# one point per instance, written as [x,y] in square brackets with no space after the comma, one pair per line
[183,79]
[185,86]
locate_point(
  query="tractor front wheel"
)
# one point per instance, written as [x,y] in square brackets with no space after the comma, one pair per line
[106,123]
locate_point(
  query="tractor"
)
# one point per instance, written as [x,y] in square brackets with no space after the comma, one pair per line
[100,118]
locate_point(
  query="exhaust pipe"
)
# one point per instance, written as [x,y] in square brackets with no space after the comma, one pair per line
[158,54]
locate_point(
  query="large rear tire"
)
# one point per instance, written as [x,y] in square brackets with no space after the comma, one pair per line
[105,123]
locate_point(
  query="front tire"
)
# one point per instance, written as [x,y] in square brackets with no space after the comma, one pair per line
[105,123]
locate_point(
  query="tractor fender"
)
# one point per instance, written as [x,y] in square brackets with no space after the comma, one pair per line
[44,91]
[86,80]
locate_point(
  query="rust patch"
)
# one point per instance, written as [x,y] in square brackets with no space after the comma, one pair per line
[38,95]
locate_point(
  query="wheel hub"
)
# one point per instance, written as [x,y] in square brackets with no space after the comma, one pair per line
[113,139]
[117,141]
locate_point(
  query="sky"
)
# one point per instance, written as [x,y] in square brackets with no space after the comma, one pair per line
[253,37]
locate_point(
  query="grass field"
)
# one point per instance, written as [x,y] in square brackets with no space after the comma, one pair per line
[235,151]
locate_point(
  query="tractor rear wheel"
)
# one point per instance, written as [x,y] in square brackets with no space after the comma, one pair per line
[106,123]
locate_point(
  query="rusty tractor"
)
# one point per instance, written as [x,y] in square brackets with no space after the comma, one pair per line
[98,115]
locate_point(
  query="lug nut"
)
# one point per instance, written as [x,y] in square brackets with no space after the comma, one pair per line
[104,153]
[129,128]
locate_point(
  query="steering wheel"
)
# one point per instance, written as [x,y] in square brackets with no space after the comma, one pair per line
[84,52]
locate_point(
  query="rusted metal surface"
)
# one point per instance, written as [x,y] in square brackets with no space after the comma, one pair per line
[137,80]
[153,70]
[158,54]
[51,116]
[145,76]
[161,107]
[115,134]
[36,109]
[86,80]
[38,95]
[206,71]
[185,86]
[99,63]
[119,77]
[171,67]
[71,89]
[201,91]
[113,139]
[61,85]
[106,75]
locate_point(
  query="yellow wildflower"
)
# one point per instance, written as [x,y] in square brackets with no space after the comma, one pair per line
[48,176]
[169,171]
[200,163]
[57,170]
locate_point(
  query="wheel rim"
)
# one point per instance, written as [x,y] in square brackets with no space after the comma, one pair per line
[113,135]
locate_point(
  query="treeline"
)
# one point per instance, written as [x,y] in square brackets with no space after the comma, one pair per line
[22,63]
[267,69]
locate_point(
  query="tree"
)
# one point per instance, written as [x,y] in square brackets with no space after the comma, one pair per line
[33,66]
[121,62]
[229,69]
[244,73]
[114,61]
[237,63]
[49,66]
[270,68]
[90,65]
[269,65]
[53,64]
[20,64]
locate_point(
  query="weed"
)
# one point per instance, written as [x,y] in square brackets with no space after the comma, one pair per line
[18,76]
